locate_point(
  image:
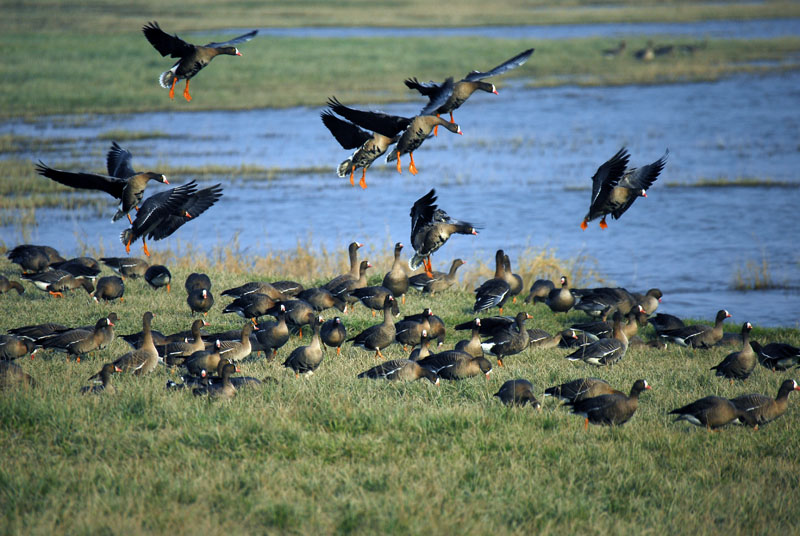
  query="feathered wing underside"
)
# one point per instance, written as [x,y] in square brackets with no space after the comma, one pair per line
[438,97]
[165,44]
[388,125]
[83,180]
[608,175]
[118,162]
[235,41]
[507,65]
[643,178]
[348,135]
[422,212]
[195,204]
[155,208]
[425,88]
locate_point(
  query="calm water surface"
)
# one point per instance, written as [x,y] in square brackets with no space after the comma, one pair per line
[522,171]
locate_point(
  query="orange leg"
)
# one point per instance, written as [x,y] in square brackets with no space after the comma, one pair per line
[436,128]
[583,225]
[338,350]
[128,246]
[399,166]
[172,88]
[428,267]
[603,224]
[501,311]
[56,294]
[586,424]
[146,251]
[379,354]
[301,333]
[129,219]
[373,313]
[167,288]
[499,362]
[514,299]
[411,167]
[404,299]
[363,181]
[255,324]
[186,92]
[451,118]
[352,172]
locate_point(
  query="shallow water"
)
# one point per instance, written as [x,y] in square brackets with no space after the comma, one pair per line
[522,171]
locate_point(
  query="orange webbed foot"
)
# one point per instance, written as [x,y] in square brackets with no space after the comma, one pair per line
[584,225]
[411,167]
[363,181]
[399,166]
[603,224]
[352,179]
[129,218]
[186,93]
[172,88]
[144,247]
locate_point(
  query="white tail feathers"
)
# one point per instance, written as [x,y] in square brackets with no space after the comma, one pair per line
[391,157]
[344,167]
[415,261]
[125,235]
[166,78]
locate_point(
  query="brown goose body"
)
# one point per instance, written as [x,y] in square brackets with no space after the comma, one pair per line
[289,289]
[81,341]
[273,335]
[249,306]
[560,300]
[424,349]
[577,390]
[56,282]
[408,332]
[105,386]
[197,281]
[373,298]
[352,253]
[511,341]
[238,350]
[191,58]
[321,299]
[132,267]
[306,359]
[400,370]
[739,365]
[518,393]
[175,353]
[539,338]
[158,276]
[200,301]
[437,281]
[604,351]
[32,258]
[223,389]
[610,409]
[472,346]
[379,336]
[333,333]
[344,290]
[417,132]
[108,288]
[777,355]
[712,412]
[604,330]
[13,376]
[649,301]
[698,335]
[13,347]
[255,287]
[204,360]
[539,291]
[495,291]
[6,285]
[145,359]
[764,408]
[396,279]
[514,281]
[431,227]
[299,313]
[453,365]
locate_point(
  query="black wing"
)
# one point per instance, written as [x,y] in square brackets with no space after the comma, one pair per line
[194,205]
[513,63]
[166,44]
[157,208]
[439,97]
[83,180]
[388,125]
[118,162]
[235,41]
[348,135]
[422,212]
[426,88]
[608,175]
[643,178]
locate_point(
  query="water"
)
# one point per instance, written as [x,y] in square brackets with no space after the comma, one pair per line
[522,171]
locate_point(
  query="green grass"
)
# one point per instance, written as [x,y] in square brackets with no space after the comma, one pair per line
[121,76]
[335,454]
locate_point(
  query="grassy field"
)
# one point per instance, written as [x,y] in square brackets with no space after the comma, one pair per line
[334,454]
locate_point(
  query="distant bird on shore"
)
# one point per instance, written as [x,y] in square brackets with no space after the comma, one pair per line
[192,57]
[164,213]
[464,88]
[615,188]
[431,227]
[122,182]
[616,51]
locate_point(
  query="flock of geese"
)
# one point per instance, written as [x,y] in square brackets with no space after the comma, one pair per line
[210,360]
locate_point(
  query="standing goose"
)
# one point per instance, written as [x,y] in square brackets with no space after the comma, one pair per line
[145,359]
[202,361]
[80,341]
[273,335]
[344,290]
[763,408]
[472,346]
[739,365]
[649,301]
[465,87]
[698,335]
[132,267]
[105,379]
[514,281]
[368,147]
[400,370]
[713,412]
[175,353]
[424,350]
[299,313]
[352,253]
[200,301]
[255,287]
[605,351]
[158,276]
[577,390]
[249,306]
[238,350]
[333,334]
[409,132]
[56,282]
[518,393]
[396,279]
[437,281]
[32,258]
[495,291]
[611,409]
[539,338]
[511,341]
[6,285]
[196,281]
[162,214]
[539,291]
[777,355]
[453,365]
[603,301]
[321,299]
[560,300]
[109,288]
[306,359]
[373,297]
[122,182]
[410,330]
[431,227]
[192,58]
[379,336]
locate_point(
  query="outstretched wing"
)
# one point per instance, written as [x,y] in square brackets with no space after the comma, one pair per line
[348,135]
[83,180]
[166,44]
[643,178]
[192,207]
[439,97]
[422,212]
[118,162]
[388,125]
[608,175]
[426,88]
[235,41]
[513,63]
